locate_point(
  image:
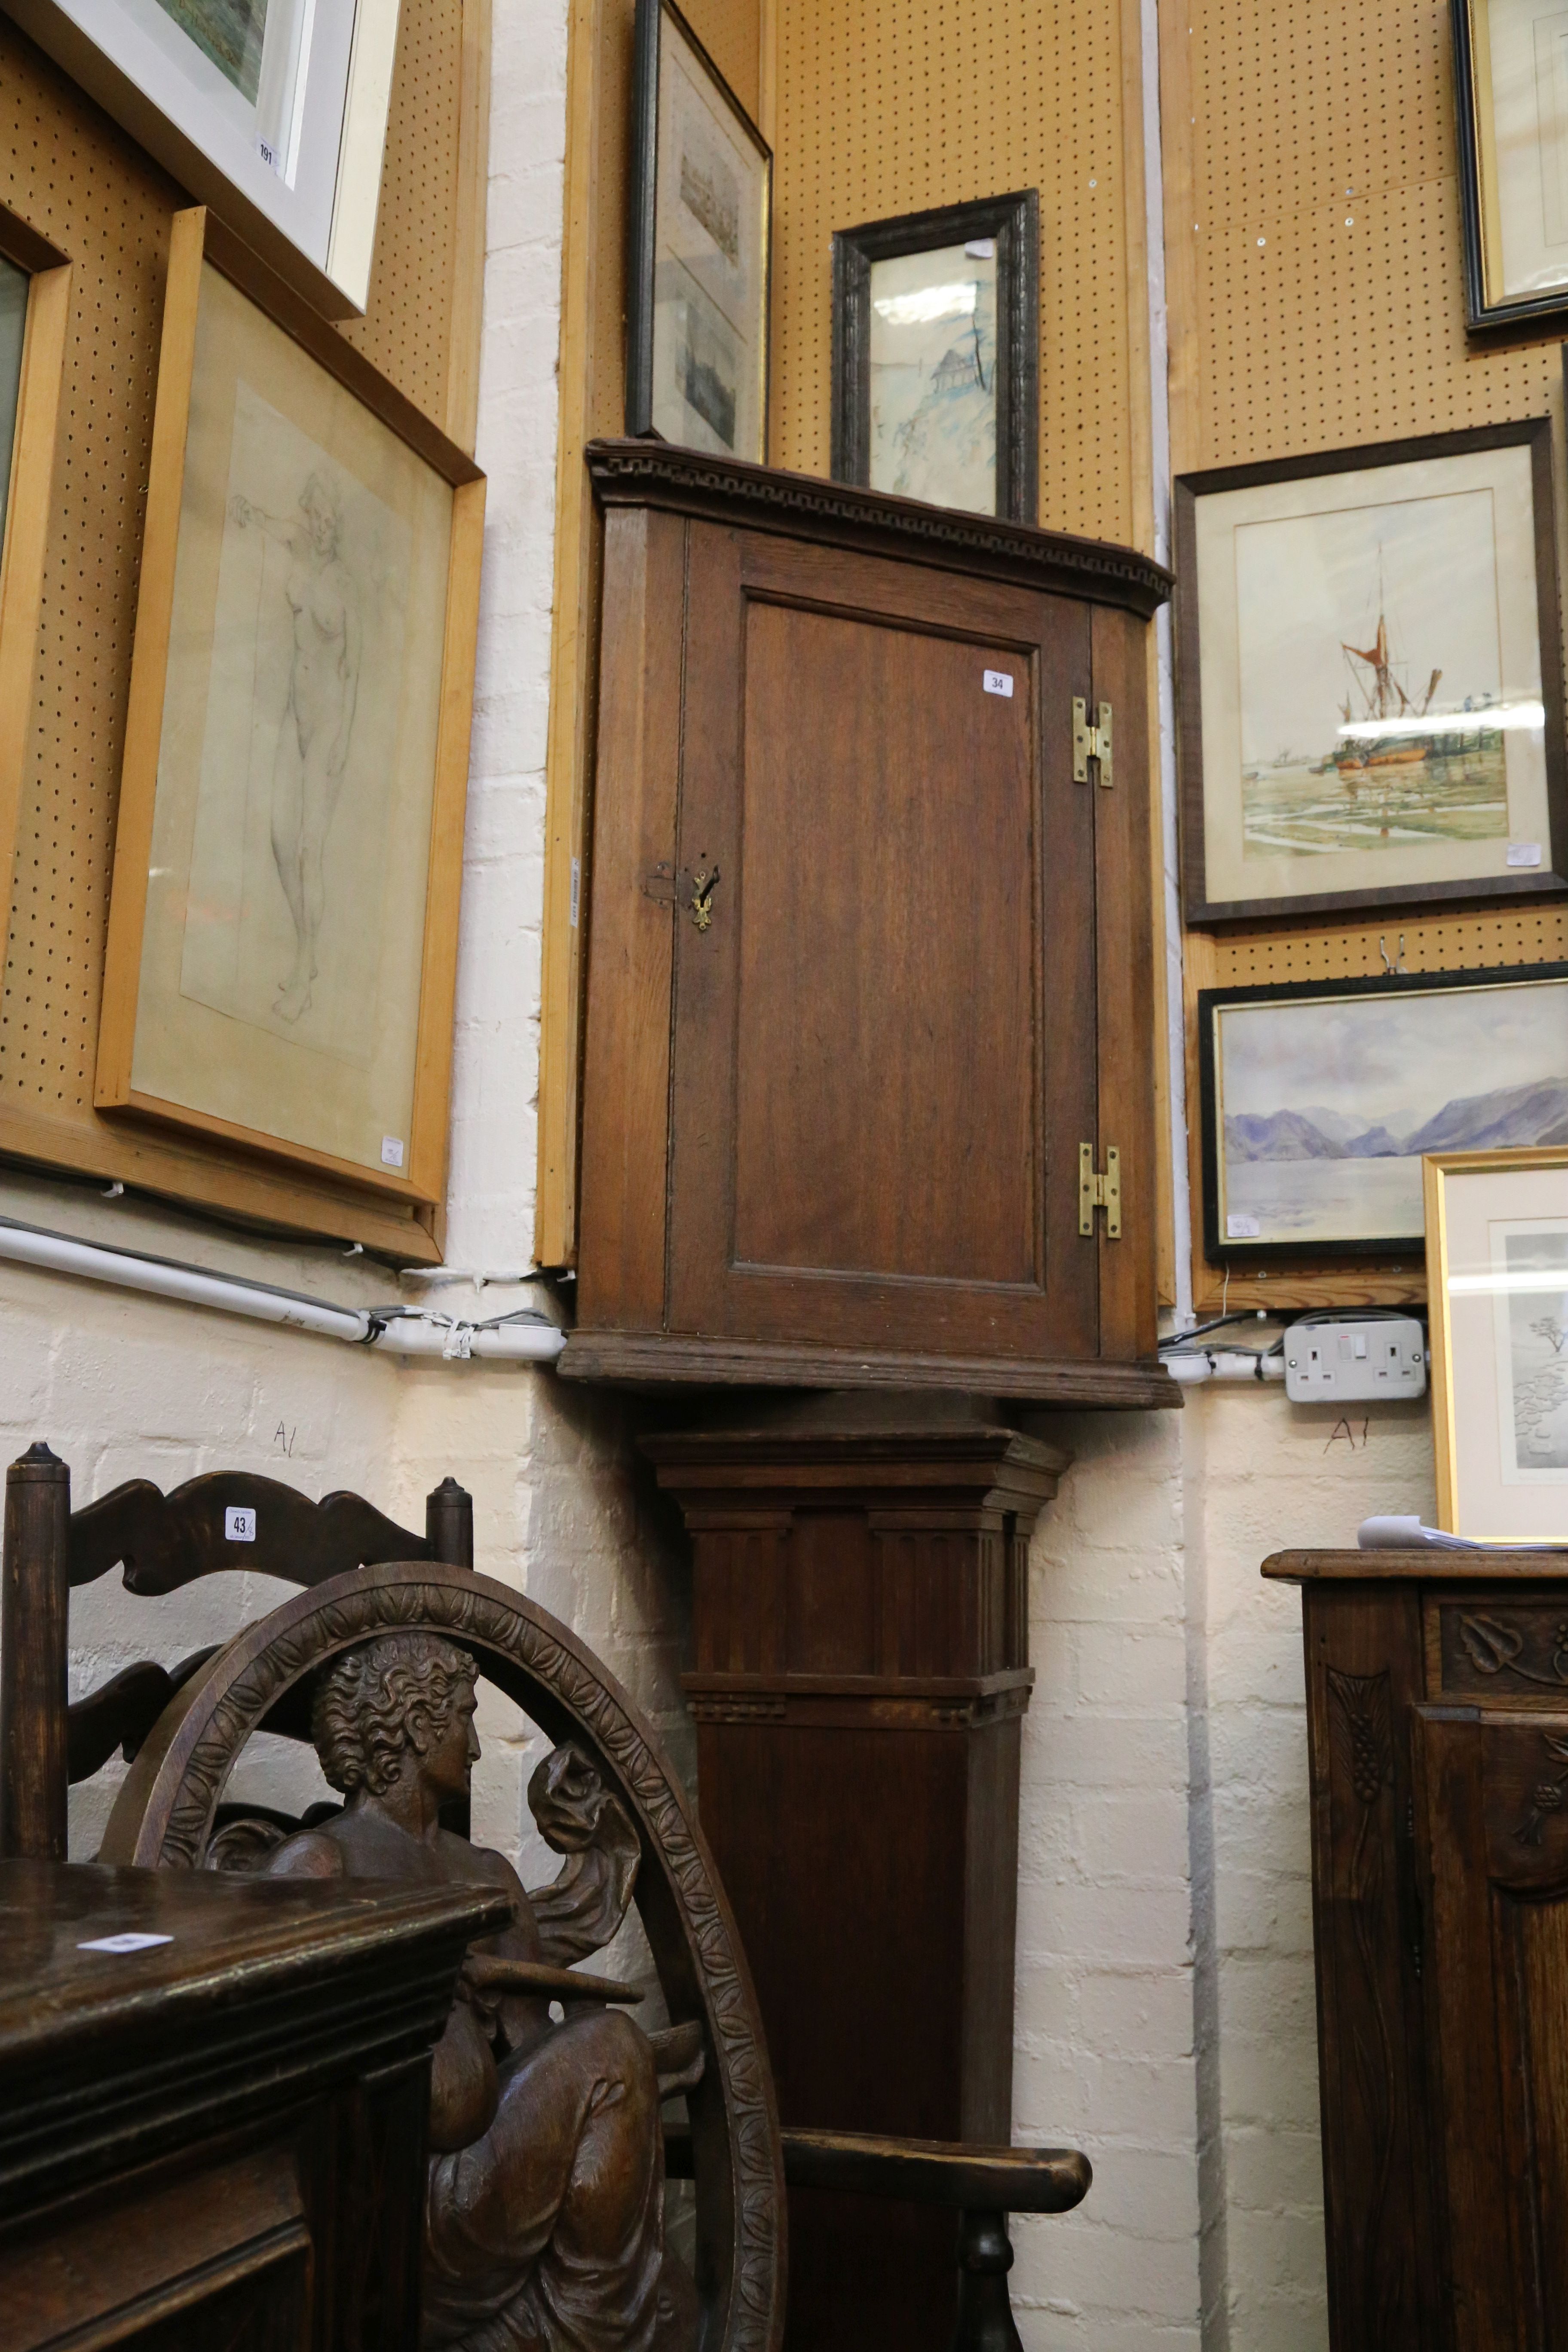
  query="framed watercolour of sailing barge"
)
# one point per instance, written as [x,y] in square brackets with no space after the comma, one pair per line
[1369,678]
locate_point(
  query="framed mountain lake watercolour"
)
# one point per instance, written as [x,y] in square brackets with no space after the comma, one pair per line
[1320,1098]
[282,920]
[1497,1289]
[697,320]
[936,335]
[1365,715]
[272,111]
[1510,90]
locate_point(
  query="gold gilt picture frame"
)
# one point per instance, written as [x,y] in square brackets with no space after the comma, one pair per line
[1497,1287]
[282,933]
[36,282]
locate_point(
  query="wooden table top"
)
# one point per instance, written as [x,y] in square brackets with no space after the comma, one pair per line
[227,1935]
[1422,1564]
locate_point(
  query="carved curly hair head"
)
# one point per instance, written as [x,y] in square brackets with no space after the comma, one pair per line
[392,1694]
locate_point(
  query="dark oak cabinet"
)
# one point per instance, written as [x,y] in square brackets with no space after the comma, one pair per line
[869,951]
[1437,1725]
[213,2093]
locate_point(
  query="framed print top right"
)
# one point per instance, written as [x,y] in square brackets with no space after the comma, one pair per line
[1511,87]
[1371,689]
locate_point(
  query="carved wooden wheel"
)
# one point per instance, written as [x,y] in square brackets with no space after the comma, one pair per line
[164,1815]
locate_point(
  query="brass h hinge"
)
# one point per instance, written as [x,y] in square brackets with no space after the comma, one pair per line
[1099,1191]
[1090,742]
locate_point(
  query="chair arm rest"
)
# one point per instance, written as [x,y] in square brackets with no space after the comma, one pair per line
[923,2171]
[938,2172]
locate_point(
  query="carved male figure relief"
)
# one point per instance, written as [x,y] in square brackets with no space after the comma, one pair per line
[544,2227]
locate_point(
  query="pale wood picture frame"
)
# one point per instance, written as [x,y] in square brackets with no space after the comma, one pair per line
[1462,1426]
[199,239]
[28,505]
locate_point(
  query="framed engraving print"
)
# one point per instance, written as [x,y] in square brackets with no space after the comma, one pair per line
[1497,1288]
[271,111]
[1370,689]
[283,914]
[697,328]
[1320,1098]
[936,356]
[1510,89]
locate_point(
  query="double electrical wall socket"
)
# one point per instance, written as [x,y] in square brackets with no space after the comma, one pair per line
[1350,1359]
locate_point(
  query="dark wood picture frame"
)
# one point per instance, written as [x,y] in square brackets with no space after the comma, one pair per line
[642,219]
[1236,1255]
[1550,879]
[1015,223]
[1500,318]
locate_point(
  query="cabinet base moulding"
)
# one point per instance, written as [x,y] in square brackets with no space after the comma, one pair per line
[647,1360]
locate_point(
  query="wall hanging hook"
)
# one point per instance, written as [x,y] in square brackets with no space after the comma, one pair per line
[1389,965]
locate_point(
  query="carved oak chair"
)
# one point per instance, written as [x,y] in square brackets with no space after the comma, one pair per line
[183,1730]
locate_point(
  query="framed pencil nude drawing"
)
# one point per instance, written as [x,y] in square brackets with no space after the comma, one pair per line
[283,914]
[697,322]
[936,355]
[1370,694]
[272,111]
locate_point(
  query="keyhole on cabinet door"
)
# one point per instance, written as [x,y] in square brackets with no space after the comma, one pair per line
[704,885]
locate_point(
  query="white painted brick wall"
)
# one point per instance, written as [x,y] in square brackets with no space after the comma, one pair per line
[1265,1475]
[1104,2017]
[1165,2015]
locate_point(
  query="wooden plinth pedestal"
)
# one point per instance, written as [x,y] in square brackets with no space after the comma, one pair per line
[862,1673]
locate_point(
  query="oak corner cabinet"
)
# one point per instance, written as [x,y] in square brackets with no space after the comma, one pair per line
[869,1058]
[1437,1740]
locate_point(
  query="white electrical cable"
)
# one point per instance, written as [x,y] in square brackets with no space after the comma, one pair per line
[403,1331]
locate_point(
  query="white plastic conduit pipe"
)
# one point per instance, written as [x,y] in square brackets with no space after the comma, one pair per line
[1222,1364]
[403,1331]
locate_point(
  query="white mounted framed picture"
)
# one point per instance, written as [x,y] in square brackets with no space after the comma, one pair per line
[697,314]
[272,112]
[1497,1287]
[281,958]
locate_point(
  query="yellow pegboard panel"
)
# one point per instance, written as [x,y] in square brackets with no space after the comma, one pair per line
[405,330]
[892,106]
[731,32]
[86,188]
[84,184]
[1317,302]
[1317,171]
